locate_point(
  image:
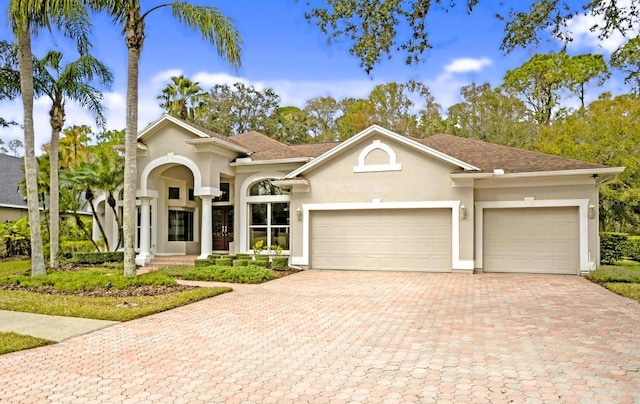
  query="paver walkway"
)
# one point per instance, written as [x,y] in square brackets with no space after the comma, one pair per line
[355,337]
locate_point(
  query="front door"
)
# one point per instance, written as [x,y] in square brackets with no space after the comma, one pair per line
[222,227]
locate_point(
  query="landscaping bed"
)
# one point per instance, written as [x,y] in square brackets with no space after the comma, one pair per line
[622,278]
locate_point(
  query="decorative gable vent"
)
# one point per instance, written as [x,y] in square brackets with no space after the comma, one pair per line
[375,146]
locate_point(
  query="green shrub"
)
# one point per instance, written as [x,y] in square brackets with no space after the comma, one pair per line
[261,263]
[633,248]
[240,262]
[612,247]
[212,257]
[98,257]
[224,261]
[280,263]
[262,258]
[68,248]
[202,263]
[243,256]
[217,273]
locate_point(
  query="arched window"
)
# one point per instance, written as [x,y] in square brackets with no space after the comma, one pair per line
[268,214]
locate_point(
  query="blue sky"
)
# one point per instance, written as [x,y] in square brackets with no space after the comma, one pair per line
[284,52]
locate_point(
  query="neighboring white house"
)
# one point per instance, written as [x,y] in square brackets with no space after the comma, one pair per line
[378,201]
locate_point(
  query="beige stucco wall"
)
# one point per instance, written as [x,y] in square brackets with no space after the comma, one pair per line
[422,178]
[11,214]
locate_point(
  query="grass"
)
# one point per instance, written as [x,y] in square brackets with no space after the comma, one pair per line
[622,279]
[219,273]
[101,308]
[12,342]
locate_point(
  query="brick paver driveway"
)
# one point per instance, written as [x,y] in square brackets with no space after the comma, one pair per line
[353,336]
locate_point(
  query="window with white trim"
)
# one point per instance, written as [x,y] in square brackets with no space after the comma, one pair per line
[269,214]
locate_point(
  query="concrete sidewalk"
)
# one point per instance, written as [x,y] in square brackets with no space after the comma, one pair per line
[52,328]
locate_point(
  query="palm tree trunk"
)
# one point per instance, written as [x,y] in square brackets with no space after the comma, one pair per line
[134,37]
[26,87]
[97,220]
[57,121]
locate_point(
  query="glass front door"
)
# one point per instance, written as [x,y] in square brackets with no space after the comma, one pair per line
[222,227]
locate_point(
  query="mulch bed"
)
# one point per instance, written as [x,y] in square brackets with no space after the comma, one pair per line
[146,290]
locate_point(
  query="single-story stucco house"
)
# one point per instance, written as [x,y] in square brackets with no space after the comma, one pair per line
[378,201]
[13,205]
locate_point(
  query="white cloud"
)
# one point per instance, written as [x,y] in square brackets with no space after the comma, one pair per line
[466,65]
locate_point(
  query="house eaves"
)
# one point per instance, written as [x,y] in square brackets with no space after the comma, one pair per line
[246,161]
[595,172]
[386,133]
[212,141]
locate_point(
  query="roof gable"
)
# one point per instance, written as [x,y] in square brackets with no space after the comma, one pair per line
[377,130]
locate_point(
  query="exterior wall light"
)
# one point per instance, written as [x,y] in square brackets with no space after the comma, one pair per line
[299,214]
[592,211]
[463,212]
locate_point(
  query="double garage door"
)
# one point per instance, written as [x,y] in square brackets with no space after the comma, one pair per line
[527,240]
[382,239]
[532,240]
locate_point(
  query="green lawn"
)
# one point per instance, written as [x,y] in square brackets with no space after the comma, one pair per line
[12,342]
[63,293]
[622,279]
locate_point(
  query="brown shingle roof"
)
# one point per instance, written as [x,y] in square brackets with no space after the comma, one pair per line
[488,156]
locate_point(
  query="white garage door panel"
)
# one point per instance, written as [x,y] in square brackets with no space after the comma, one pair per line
[401,239]
[535,240]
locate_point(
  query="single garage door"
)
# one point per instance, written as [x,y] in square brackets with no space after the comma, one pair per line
[533,240]
[384,240]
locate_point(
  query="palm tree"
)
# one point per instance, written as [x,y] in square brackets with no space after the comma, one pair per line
[182,98]
[214,27]
[104,173]
[28,16]
[73,145]
[61,83]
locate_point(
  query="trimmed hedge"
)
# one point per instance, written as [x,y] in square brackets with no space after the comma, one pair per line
[633,248]
[223,261]
[240,262]
[69,248]
[202,263]
[98,257]
[612,247]
[280,263]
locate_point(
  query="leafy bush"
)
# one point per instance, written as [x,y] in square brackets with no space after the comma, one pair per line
[218,273]
[240,262]
[280,263]
[633,248]
[202,263]
[98,257]
[69,248]
[612,247]
[243,256]
[261,263]
[223,261]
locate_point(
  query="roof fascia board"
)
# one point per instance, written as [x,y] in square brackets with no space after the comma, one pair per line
[217,142]
[275,161]
[387,133]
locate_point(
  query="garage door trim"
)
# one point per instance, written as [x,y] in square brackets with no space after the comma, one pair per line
[583,219]
[376,204]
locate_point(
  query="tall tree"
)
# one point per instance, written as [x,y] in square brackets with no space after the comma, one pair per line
[230,110]
[292,125]
[324,113]
[182,98]
[376,29]
[581,69]
[539,81]
[627,59]
[606,132]
[492,115]
[28,16]
[215,27]
[61,83]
